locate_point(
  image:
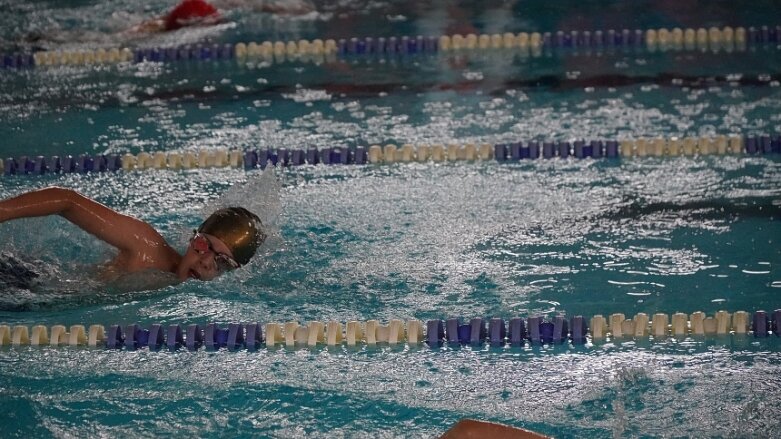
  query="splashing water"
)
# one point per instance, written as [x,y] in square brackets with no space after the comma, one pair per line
[261,196]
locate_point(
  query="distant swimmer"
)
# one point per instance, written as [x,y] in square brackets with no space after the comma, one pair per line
[121,28]
[225,241]
[201,13]
[186,13]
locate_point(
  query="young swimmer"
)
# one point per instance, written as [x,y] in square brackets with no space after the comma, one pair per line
[225,241]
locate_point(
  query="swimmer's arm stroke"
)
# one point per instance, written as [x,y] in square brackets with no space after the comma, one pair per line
[121,231]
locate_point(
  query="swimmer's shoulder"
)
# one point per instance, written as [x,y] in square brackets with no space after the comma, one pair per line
[148,249]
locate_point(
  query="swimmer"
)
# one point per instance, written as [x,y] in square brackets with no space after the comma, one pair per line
[227,239]
[186,13]
[201,13]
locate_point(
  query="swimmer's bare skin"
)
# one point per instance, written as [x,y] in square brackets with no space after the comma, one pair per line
[140,246]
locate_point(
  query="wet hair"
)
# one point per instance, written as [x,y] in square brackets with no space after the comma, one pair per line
[238,228]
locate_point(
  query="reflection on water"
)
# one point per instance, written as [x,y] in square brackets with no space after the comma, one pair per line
[765,208]
[681,388]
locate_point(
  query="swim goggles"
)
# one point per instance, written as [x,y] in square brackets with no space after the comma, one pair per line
[222,262]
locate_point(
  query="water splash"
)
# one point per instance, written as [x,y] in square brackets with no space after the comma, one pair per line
[258,194]
[261,196]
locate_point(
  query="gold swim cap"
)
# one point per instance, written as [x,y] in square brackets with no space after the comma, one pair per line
[238,228]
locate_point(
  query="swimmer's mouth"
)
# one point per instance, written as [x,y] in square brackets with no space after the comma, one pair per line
[194,274]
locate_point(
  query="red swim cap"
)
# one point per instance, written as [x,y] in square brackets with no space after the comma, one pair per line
[190,12]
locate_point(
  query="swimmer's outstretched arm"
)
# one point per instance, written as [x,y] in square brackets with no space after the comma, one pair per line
[126,233]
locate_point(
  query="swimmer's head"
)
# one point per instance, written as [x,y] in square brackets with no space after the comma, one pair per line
[191,13]
[226,240]
[238,228]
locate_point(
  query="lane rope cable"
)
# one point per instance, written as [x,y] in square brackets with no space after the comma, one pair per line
[722,40]
[517,331]
[387,154]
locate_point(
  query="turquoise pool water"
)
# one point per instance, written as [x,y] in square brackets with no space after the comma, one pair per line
[408,240]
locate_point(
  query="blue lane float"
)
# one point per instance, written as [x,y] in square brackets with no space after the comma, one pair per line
[115,338]
[578,330]
[435,332]
[777,322]
[761,324]
[194,337]
[497,331]
[68,164]
[250,159]
[478,332]
[611,149]
[136,337]
[253,339]
[517,331]
[156,337]
[452,327]
[174,338]
[10,166]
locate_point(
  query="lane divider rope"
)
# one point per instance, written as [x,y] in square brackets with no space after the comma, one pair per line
[725,39]
[388,154]
[533,331]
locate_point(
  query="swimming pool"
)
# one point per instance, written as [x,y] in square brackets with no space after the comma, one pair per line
[429,240]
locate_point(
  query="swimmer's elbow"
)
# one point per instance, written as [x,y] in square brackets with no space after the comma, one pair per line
[58,191]
[64,199]
[62,195]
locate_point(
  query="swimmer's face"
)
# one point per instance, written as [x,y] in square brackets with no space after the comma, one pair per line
[206,258]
